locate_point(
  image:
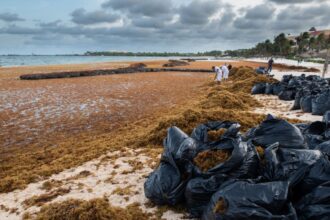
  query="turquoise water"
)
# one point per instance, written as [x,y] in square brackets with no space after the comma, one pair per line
[8,61]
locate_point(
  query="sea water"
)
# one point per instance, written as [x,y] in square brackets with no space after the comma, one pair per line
[30,60]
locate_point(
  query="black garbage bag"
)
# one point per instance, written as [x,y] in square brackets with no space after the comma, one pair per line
[316,128]
[313,140]
[166,185]
[175,137]
[259,88]
[285,164]
[250,165]
[306,103]
[278,88]
[316,204]
[321,104]
[200,133]
[297,99]
[269,89]
[287,94]
[274,130]
[248,200]
[324,147]
[316,175]
[180,145]
[261,70]
[326,118]
[302,126]
[286,79]
[199,192]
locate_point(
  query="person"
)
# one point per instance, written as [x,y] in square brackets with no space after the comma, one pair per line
[218,74]
[270,65]
[225,70]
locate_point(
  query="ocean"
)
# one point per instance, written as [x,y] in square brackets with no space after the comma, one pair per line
[30,60]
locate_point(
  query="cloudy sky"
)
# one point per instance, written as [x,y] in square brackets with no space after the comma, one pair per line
[75,26]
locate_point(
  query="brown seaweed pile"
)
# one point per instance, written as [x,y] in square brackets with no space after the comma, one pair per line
[210,158]
[93,209]
[229,101]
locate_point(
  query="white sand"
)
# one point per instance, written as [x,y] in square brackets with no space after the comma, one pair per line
[93,186]
[273,105]
[287,62]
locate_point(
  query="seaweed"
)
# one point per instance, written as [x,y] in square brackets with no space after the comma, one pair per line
[208,159]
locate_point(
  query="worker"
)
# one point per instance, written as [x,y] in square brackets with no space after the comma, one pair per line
[218,74]
[225,70]
[270,65]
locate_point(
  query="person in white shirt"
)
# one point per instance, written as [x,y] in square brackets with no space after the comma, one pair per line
[225,70]
[218,74]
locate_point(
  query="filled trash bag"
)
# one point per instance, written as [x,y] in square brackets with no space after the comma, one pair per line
[316,175]
[287,95]
[313,140]
[278,88]
[321,104]
[228,129]
[316,204]
[316,128]
[324,147]
[296,104]
[250,165]
[274,130]
[285,164]
[261,70]
[326,119]
[199,192]
[180,145]
[259,88]
[166,185]
[306,103]
[249,200]
[269,89]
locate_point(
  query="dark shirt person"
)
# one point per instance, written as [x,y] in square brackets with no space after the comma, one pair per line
[270,65]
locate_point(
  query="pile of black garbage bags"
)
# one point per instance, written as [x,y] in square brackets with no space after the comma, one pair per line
[310,93]
[290,181]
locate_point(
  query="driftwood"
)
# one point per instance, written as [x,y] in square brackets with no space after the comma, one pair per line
[58,75]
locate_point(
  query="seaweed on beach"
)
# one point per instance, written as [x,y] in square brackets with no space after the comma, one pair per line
[92,209]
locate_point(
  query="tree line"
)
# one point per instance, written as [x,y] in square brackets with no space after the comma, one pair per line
[283,46]
[280,46]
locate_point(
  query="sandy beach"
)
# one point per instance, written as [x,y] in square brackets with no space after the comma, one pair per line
[69,134]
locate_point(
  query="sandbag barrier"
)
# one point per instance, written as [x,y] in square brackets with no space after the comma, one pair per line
[58,75]
[276,170]
[310,93]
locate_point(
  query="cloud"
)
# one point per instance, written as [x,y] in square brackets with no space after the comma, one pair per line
[10,17]
[149,8]
[290,1]
[81,16]
[296,19]
[264,11]
[198,12]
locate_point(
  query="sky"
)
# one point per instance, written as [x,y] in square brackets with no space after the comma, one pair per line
[77,26]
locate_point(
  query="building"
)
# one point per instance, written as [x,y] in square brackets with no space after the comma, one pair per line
[312,32]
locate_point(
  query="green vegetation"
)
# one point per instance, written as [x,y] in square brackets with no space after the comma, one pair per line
[154,54]
[282,46]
